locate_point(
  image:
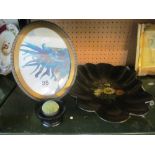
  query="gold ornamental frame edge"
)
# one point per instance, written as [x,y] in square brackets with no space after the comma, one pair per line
[15,60]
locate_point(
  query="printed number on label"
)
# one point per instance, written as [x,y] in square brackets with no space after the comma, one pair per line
[45,83]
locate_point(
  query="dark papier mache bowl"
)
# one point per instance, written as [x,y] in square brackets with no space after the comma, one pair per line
[114,93]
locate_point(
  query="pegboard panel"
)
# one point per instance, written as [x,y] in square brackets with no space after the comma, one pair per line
[107,41]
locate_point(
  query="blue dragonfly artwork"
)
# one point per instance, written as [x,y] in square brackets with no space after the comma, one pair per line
[46,61]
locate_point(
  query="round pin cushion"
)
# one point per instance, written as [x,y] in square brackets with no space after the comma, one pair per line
[44,61]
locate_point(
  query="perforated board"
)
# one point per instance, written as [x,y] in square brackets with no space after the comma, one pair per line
[106,41]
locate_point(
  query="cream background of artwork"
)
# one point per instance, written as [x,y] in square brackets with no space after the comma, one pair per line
[38,37]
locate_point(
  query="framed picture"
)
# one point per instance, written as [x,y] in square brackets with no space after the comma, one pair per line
[145,55]
[44,61]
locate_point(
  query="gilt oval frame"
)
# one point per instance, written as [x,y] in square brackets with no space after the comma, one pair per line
[15,61]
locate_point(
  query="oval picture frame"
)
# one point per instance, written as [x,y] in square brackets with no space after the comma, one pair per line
[44,62]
